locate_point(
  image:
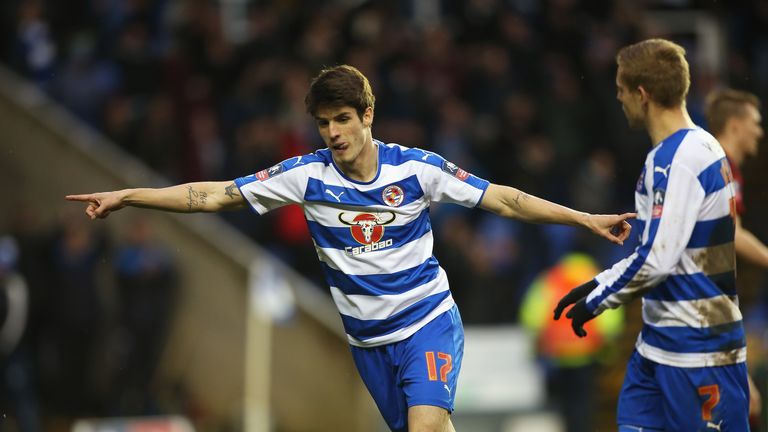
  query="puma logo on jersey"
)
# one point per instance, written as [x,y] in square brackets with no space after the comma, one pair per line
[445,386]
[664,170]
[338,198]
[298,161]
[714,426]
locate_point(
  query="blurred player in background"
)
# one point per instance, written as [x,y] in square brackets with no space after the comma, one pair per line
[367,207]
[688,371]
[733,117]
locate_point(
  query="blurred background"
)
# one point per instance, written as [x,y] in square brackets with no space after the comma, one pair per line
[152,321]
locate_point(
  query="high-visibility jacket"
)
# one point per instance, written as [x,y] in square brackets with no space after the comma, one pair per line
[555,339]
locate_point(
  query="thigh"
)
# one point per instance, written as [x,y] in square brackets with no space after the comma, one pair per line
[378,369]
[428,418]
[419,371]
[640,405]
[711,398]
[431,361]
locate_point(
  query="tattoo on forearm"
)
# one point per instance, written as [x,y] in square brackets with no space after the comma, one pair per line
[230,191]
[196,198]
[516,199]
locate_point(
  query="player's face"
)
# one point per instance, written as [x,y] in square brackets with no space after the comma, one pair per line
[345,133]
[749,130]
[631,103]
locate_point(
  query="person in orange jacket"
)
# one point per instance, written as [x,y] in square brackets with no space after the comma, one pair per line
[570,361]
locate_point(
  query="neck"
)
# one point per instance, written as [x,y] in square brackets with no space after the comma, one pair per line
[663,122]
[731,149]
[365,166]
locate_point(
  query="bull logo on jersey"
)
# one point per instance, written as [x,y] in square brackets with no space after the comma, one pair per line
[367,228]
[393,195]
[270,172]
[455,171]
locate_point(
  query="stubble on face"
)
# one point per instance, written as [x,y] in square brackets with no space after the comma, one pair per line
[634,110]
[635,119]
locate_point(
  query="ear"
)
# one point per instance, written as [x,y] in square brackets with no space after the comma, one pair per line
[368,117]
[732,125]
[644,96]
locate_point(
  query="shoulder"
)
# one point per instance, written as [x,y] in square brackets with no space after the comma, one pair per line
[322,157]
[698,150]
[297,165]
[693,148]
[300,163]
[396,154]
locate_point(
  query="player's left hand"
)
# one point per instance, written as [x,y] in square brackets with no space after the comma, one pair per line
[574,296]
[579,315]
[612,227]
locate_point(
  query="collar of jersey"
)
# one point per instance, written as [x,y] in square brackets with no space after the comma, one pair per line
[681,130]
[379,149]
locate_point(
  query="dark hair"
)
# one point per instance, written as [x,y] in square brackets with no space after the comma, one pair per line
[340,86]
[724,104]
[659,66]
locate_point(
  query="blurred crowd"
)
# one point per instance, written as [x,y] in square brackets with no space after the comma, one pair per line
[520,92]
[85,321]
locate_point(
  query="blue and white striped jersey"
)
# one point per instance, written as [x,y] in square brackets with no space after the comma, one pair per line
[685,264]
[374,240]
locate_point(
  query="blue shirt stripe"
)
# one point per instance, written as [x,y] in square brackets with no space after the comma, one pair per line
[383,284]
[694,286]
[724,337]
[712,232]
[711,178]
[316,192]
[366,329]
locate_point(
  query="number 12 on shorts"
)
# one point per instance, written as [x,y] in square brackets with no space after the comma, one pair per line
[713,391]
[446,366]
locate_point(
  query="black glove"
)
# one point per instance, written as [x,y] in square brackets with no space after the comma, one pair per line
[579,315]
[573,296]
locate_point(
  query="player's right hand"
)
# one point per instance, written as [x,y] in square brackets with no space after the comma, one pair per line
[574,296]
[100,204]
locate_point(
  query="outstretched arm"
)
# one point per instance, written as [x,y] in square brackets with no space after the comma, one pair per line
[750,247]
[513,203]
[184,198]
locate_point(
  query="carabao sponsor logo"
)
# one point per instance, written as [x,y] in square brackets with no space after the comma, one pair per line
[368,230]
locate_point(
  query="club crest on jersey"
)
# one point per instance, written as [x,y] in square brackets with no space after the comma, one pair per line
[658,203]
[640,182]
[393,195]
[368,230]
[455,171]
[269,172]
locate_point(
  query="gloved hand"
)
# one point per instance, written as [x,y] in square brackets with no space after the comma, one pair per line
[579,315]
[573,296]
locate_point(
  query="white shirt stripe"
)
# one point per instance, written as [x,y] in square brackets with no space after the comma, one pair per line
[382,307]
